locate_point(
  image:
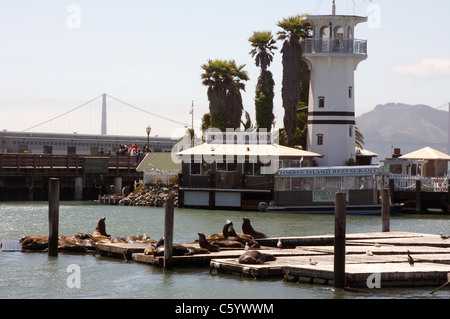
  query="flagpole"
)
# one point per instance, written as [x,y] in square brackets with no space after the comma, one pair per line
[192,124]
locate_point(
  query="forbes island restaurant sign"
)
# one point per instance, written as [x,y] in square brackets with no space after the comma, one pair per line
[238,137]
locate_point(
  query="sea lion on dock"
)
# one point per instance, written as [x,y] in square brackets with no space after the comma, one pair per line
[225,233]
[248,229]
[77,242]
[255,257]
[177,249]
[150,250]
[227,243]
[100,230]
[232,235]
[35,242]
[140,239]
[206,244]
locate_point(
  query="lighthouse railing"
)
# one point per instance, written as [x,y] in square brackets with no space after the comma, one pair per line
[326,45]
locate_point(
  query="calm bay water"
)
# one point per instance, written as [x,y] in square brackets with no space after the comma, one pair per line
[36,275]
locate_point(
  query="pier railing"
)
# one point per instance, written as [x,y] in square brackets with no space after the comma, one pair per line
[428,184]
[11,163]
[349,46]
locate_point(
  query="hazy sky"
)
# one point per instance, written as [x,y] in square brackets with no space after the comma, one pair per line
[56,55]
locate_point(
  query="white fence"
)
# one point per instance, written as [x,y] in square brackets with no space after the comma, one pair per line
[428,184]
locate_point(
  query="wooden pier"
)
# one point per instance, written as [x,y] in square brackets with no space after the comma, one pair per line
[371,259]
[25,176]
[379,258]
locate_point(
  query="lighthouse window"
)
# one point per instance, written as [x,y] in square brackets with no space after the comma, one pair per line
[350,92]
[319,139]
[321,101]
[350,131]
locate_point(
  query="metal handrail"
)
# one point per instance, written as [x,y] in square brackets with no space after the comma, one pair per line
[344,46]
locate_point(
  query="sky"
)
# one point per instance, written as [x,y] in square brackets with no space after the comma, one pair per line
[57,55]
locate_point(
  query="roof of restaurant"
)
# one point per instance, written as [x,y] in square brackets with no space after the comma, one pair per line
[261,150]
[426,153]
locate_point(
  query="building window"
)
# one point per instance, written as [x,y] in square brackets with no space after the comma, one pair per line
[321,101]
[226,167]
[252,168]
[319,139]
[350,92]
[200,168]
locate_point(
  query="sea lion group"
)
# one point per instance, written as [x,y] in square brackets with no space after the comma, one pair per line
[80,241]
[230,239]
[227,239]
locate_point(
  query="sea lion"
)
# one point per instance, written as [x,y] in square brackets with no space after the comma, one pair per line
[206,244]
[248,229]
[77,242]
[232,235]
[139,239]
[227,243]
[118,240]
[150,250]
[177,250]
[100,230]
[86,240]
[35,242]
[225,229]
[255,257]
[225,233]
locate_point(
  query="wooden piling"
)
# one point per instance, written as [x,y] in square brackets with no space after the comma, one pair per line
[339,241]
[385,210]
[418,196]
[168,231]
[53,216]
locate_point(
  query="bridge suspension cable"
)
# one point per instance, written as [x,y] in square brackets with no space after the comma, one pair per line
[437,108]
[91,116]
[61,115]
[142,110]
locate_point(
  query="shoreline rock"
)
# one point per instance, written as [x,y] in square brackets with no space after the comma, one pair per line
[150,195]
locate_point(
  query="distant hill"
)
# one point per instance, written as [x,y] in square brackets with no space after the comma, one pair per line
[408,127]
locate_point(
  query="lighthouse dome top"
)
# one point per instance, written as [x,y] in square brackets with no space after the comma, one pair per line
[316,20]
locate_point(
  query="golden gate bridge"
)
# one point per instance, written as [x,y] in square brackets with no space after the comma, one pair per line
[108,115]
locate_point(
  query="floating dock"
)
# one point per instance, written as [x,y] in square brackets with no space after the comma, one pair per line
[379,259]
[371,259]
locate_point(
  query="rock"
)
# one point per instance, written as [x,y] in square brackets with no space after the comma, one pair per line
[150,195]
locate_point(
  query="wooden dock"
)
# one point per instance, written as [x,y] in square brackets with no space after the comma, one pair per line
[378,259]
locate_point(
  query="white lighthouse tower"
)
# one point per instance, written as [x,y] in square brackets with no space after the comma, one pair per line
[332,56]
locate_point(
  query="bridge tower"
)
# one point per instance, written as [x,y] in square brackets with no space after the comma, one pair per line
[103,132]
[332,55]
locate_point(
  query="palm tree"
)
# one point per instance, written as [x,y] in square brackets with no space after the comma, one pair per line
[263,45]
[294,29]
[359,138]
[224,81]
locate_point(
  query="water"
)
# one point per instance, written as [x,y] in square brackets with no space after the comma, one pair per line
[36,275]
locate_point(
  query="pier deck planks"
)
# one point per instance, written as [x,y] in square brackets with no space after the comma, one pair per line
[389,261]
[431,254]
